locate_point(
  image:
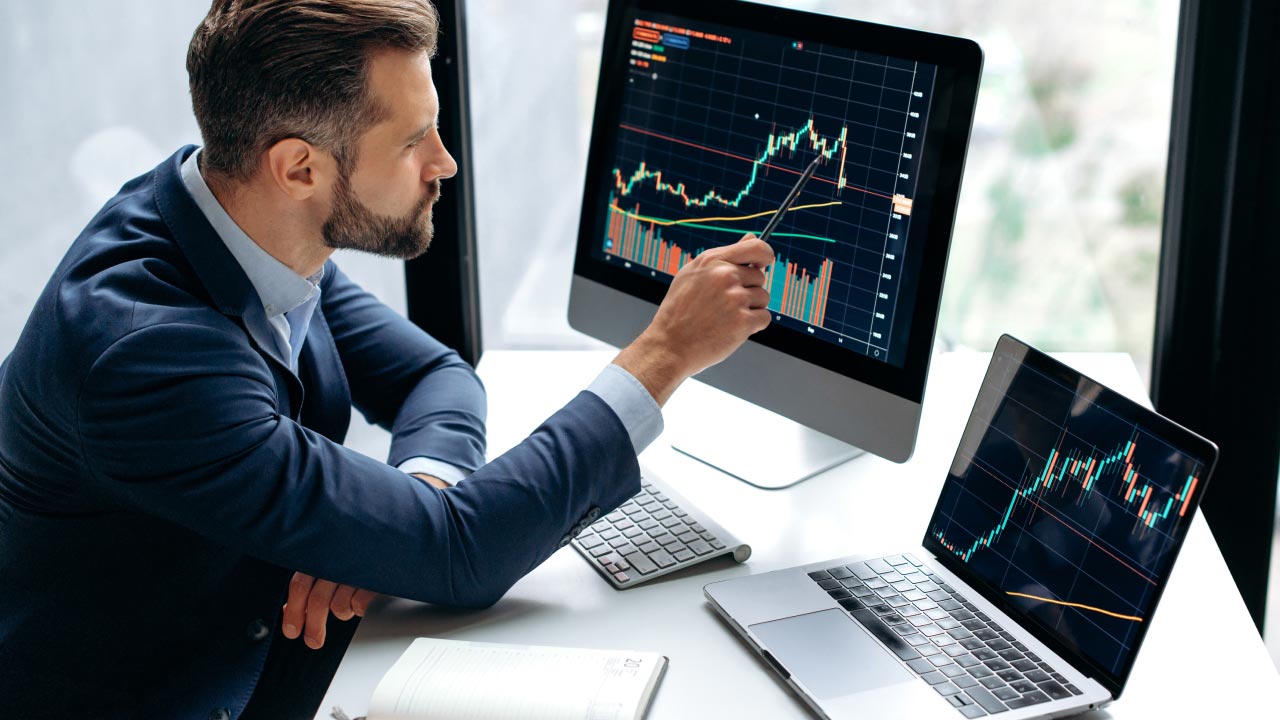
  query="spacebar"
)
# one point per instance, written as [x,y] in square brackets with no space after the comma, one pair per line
[884,634]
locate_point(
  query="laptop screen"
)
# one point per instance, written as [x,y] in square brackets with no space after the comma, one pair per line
[1067,503]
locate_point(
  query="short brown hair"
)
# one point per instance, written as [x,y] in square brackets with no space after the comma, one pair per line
[265,70]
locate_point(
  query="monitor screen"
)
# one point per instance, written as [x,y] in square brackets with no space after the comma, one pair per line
[707,113]
[716,124]
[1069,502]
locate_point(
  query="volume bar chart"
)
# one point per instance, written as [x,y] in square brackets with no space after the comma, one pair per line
[793,290]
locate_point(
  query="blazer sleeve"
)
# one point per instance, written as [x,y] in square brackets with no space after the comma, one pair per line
[404,380]
[178,422]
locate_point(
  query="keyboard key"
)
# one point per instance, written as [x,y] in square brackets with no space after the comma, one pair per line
[946,689]
[881,609]
[1009,655]
[955,650]
[649,547]
[621,576]
[1006,693]
[640,562]
[1054,690]
[901,586]
[997,665]
[934,678]
[891,640]
[827,584]
[953,671]
[916,578]
[880,566]
[877,584]
[983,697]
[891,577]
[1009,675]
[980,671]
[912,559]
[1000,644]
[840,572]
[1023,686]
[619,542]
[862,572]
[964,681]
[972,711]
[929,650]
[602,550]
[851,604]
[972,643]
[896,560]
[967,661]
[1038,676]
[683,554]
[700,547]
[921,666]
[672,522]
[941,660]
[1073,689]
[662,559]
[1031,698]
[588,542]
[991,683]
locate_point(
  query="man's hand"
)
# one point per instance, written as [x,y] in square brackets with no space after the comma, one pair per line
[714,304]
[310,601]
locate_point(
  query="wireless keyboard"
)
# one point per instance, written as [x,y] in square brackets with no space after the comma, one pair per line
[652,534]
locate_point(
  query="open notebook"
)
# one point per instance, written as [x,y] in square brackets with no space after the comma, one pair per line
[457,680]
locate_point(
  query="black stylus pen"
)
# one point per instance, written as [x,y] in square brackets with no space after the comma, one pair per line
[791,199]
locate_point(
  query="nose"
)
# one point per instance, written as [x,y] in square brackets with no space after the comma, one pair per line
[441,166]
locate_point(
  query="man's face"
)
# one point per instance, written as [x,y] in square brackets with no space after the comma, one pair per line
[384,205]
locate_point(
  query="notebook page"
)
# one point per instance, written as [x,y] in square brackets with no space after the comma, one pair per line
[458,680]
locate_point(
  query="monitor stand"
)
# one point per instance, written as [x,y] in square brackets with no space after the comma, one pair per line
[754,445]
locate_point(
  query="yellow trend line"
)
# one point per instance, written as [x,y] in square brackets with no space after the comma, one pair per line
[1134,618]
[690,221]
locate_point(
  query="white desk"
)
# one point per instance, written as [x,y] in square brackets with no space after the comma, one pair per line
[1202,656]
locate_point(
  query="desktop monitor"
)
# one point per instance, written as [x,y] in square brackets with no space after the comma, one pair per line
[706,114]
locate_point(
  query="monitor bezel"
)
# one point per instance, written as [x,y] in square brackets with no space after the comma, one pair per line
[946,137]
[1185,440]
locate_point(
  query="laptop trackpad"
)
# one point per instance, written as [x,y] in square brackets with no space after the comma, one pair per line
[830,654]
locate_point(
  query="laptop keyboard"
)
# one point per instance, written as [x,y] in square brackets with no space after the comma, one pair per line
[654,533]
[961,652]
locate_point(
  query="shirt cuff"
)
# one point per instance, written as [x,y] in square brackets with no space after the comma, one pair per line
[451,474]
[631,402]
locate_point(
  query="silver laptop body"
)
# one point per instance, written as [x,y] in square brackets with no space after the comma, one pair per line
[825,627]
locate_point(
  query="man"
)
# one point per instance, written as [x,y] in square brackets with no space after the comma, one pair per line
[171,418]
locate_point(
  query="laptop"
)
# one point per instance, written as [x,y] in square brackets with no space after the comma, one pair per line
[1037,577]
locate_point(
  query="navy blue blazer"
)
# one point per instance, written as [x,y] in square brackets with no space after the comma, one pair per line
[162,477]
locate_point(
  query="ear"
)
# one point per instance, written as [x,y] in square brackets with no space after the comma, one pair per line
[299,168]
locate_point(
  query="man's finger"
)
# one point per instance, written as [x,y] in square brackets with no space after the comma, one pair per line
[750,276]
[747,251]
[318,613]
[360,602]
[295,606]
[341,603]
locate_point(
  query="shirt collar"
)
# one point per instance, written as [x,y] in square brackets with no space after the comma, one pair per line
[278,286]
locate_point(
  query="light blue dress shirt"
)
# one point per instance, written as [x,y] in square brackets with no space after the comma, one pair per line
[290,301]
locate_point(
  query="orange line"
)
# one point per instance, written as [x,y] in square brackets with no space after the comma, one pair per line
[747,159]
[1134,618]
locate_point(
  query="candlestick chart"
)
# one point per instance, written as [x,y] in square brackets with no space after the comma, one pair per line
[716,127]
[1068,506]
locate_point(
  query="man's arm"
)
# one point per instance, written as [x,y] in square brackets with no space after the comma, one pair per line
[404,380]
[179,422]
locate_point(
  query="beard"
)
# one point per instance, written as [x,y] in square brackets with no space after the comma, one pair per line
[353,226]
